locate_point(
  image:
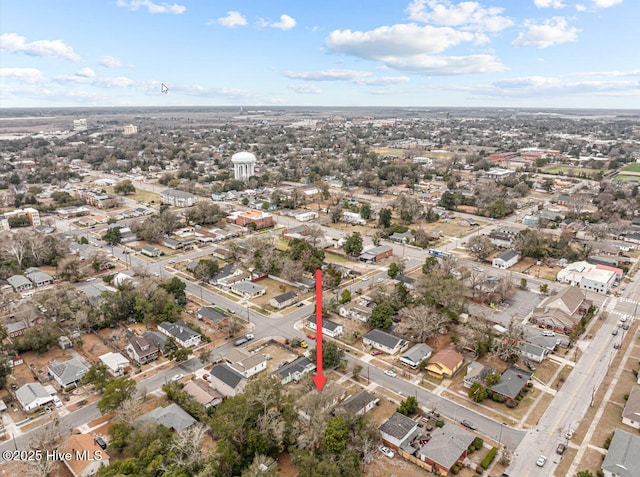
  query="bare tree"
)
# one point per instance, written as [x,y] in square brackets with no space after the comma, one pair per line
[47,438]
[16,245]
[315,233]
[506,346]
[186,446]
[425,320]
[128,410]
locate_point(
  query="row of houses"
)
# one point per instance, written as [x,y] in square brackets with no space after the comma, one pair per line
[33,276]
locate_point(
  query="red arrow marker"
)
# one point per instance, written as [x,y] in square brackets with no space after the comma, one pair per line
[319,379]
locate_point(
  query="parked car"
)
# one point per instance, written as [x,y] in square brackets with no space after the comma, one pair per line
[364,279]
[625,326]
[376,352]
[548,333]
[303,344]
[561,448]
[205,377]
[386,451]
[469,425]
[395,319]
[310,336]
[614,332]
[569,434]
[390,372]
[240,341]
[177,377]
[379,280]
[541,461]
[100,441]
[299,304]
[249,336]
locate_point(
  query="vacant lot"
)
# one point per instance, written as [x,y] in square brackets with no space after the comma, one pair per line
[93,347]
[626,178]
[277,355]
[570,171]
[631,168]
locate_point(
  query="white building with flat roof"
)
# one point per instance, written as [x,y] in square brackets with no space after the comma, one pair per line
[587,276]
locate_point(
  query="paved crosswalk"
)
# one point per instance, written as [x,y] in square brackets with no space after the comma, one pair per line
[621,314]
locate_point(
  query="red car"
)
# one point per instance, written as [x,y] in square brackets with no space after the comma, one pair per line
[376,352]
[311,337]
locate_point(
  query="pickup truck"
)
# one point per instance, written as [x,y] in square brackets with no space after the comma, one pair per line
[240,341]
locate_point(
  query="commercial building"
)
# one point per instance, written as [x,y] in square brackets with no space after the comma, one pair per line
[178,198]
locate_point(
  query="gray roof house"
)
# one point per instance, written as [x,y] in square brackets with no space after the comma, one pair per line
[172,417]
[448,444]
[227,380]
[19,283]
[476,372]
[631,412]
[212,315]
[506,259]
[415,355]
[248,289]
[329,328]
[140,350]
[512,381]
[68,373]
[33,395]
[397,430]
[384,341]
[184,335]
[623,455]
[532,351]
[360,403]
[38,277]
[295,370]
[283,300]
[155,339]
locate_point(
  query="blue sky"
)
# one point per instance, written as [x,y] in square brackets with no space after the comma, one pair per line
[511,53]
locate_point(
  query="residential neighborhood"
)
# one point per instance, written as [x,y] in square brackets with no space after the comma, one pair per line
[478,294]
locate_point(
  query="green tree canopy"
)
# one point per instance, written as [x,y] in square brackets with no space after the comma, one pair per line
[381,316]
[353,245]
[115,393]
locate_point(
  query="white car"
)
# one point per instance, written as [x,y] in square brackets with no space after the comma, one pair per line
[249,336]
[57,402]
[548,333]
[364,279]
[541,461]
[386,451]
[390,372]
[177,377]
[380,280]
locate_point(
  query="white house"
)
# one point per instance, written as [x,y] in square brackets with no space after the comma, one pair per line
[415,355]
[355,312]
[33,395]
[284,300]
[246,363]
[116,363]
[295,370]
[631,412]
[360,403]
[384,341]
[506,259]
[398,429]
[183,335]
[329,328]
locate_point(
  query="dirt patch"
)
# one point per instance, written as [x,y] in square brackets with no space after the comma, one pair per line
[93,347]
[591,460]
[36,364]
[286,467]
[277,355]
[546,370]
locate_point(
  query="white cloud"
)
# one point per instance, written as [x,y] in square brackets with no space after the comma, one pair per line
[112,62]
[86,72]
[580,7]
[606,3]
[397,40]
[469,15]
[26,75]
[114,82]
[232,20]
[353,76]
[447,65]
[285,23]
[307,89]
[549,3]
[553,31]
[45,48]
[151,7]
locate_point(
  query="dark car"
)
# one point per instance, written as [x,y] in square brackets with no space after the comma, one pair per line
[469,425]
[100,441]
[395,319]
[560,449]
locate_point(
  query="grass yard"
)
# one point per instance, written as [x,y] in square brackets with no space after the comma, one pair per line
[570,170]
[631,168]
[626,178]
[141,195]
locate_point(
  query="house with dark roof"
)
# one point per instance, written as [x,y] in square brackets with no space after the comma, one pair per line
[156,339]
[212,316]
[329,328]
[512,382]
[140,350]
[631,412]
[506,259]
[284,300]
[408,281]
[397,430]
[227,380]
[384,341]
[414,356]
[359,404]
[448,444]
[295,370]
[183,335]
[172,417]
[445,363]
[623,455]
[69,373]
[376,254]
